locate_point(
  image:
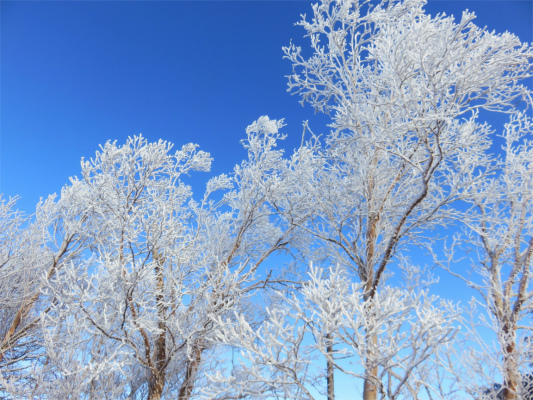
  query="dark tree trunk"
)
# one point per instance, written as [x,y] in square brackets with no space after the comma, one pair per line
[193,365]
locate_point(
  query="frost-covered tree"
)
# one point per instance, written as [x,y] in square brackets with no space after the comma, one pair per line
[244,229]
[330,318]
[16,250]
[32,249]
[134,317]
[115,307]
[498,230]
[403,90]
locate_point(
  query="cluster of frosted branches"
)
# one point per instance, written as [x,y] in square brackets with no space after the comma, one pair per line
[329,319]
[498,231]
[134,315]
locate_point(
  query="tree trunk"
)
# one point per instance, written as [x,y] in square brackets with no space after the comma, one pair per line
[20,315]
[157,384]
[330,370]
[370,391]
[193,364]
[157,379]
[511,374]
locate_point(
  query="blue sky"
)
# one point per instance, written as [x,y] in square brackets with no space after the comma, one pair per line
[75,74]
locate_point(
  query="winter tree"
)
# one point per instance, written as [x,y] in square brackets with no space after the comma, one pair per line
[31,250]
[403,90]
[134,317]
[498,231]
[330,318]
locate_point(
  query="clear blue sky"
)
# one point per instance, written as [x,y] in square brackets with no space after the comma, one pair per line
[75,74]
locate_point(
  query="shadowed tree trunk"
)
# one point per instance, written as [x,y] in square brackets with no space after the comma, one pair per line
[193,365]
[157,376]
[330,370]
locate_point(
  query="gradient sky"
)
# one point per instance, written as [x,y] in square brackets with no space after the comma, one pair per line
[75,74]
